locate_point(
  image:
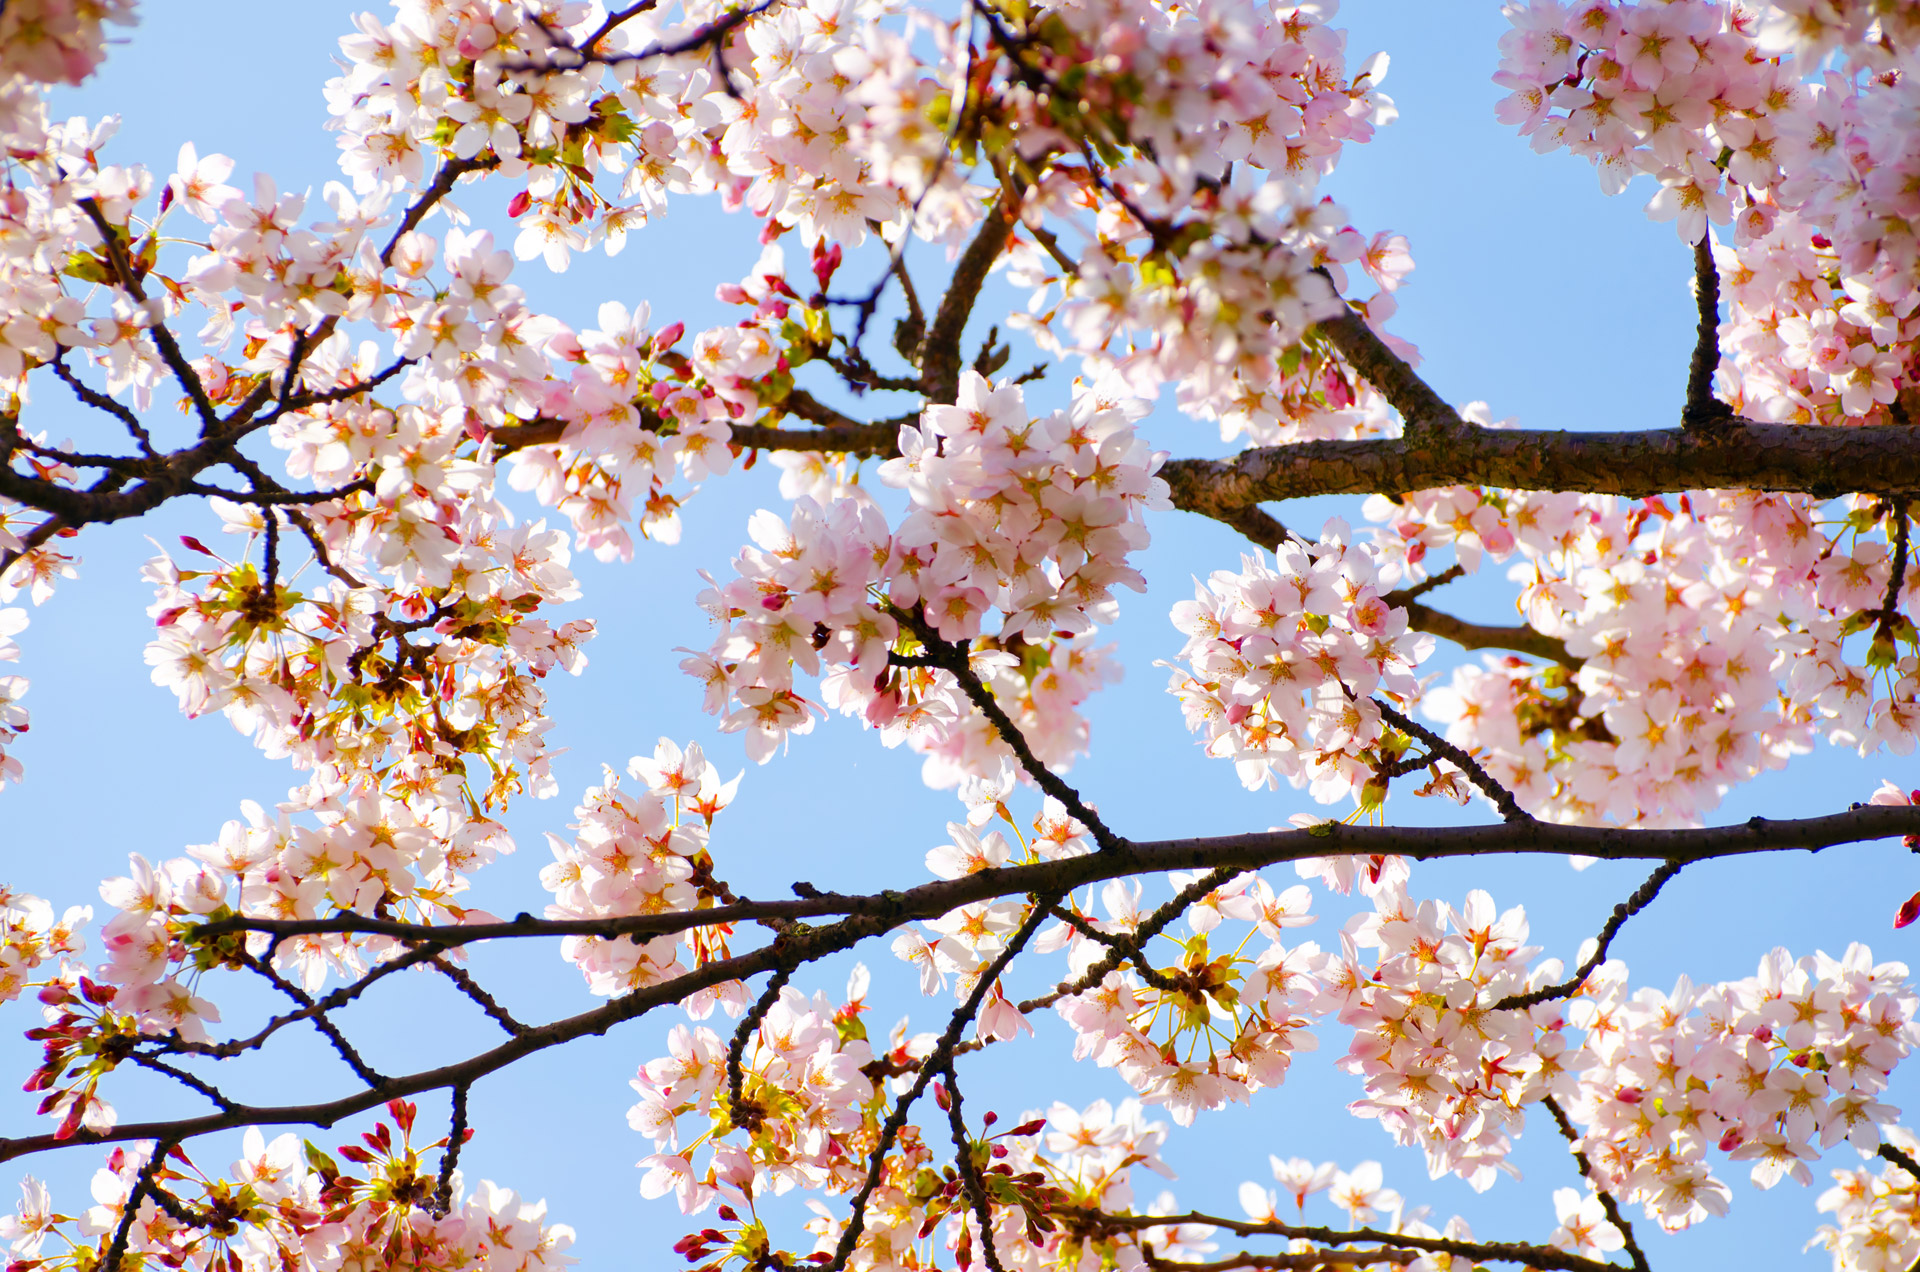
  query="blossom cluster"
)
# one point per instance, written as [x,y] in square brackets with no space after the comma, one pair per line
[1876,1215]
[813,1129]
[829,121]
[1282,663]
[1444,1070]
[821,124]
[289,1208]
[1205,275]
[51,42]
[805,1109]
[1153,167]
[641,853]
[30,936]
[1213,1026]
[1771,1069]
[1707,639]
[1027,522]
[1729,108]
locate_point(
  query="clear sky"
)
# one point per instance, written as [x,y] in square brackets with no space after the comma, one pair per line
[1533,292]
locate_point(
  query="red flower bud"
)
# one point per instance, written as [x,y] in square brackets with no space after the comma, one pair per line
[1908,912]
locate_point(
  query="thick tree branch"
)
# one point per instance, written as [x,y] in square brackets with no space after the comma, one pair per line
[1424,410]
[1702,408]
[1305,1260]
[1539,1256]
[1520,639]
[1250,851]
[803,947]
[1787,458]
[940,353]
[871,915]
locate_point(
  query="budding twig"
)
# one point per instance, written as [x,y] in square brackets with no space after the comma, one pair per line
[1642,897]
[1608,1205]
[952,659]
[1502,797]
[969,1171]
[450,1160]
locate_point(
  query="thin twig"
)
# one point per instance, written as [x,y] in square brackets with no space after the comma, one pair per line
[1608,1205]
[1642,897]
[1502,798]
[471,988]
[147,1060]
[450,1160]
[976,1187]
[101,402]
[937,1059]
[331,1032]
[739,1110]
[1404,595]
[1130,950]
[144,1184]
[952,659]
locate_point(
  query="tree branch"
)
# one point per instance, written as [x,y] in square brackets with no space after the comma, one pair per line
[937,1060]
[1702,409]
[1520,639]
[940,353]
[1501,797]
[1790,458]
[1249,851]
[1642,897]
[952,659]
[976,1188]
[1424,410]
[1607,1202]
[1539,1256]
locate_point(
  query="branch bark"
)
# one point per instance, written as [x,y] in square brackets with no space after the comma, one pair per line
[1810,459]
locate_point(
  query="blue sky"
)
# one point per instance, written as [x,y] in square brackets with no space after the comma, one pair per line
[1533,292]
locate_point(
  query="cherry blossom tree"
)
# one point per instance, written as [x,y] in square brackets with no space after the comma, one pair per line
[400,457]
